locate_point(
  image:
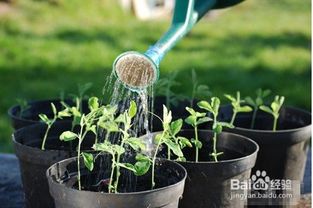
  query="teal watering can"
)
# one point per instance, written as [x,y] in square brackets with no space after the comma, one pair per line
[138,71]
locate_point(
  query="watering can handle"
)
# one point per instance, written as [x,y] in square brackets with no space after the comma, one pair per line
[186,14]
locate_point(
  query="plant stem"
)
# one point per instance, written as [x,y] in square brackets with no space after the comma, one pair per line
[118,173]
[153,160]
[112,173]
[253,117]
[196,138]
[168,153]
[45,138]
[275,123]
[214,147]
[78,164]
[233,118]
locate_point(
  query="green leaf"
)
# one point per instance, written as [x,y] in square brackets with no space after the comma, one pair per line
[244,109]
[229,97]
[197,143]
[121,118]
[203,120]
[217,128]
[174,147]
[191,120]
[54,109]
[142,165]
[266,93]
[176,126]
[110,126]
[167,115]
[190,110]
[215,103]
[157,138]
[88,160]
[132,109]
[103,147]
[184,142]
[250,101]
[64,113]
[225,124]
[259,101]
[93,129]
[68,136]
[205,105]
[136,143]
[93,103]
[266,109]
[44,118]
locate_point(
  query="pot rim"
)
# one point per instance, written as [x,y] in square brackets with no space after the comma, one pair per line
[11,114]
[118,194]
[279,130]
[221,161]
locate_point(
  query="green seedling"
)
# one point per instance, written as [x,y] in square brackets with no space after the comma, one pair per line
[198,90]
[87,124]
[213,108]
[194,120]
[236,104]
[257,102]
[23,106]
[78,99]
[164,87]
[116,151]
[49,122]
[274,109]
[170,139]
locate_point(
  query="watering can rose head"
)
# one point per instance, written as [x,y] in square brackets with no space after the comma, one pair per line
[135,70]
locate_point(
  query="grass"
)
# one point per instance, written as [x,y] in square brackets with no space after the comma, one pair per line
[46,48]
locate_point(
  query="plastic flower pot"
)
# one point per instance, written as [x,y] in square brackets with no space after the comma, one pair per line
[62,177]
[209,183]
[283,153]
[31,114]
[34,162]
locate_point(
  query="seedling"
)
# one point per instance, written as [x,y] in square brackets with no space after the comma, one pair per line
[198,90]
[217,127]
[257,102]
[164,87]
[23,106]
[274,109]
[87,124]
[78,99]
[169,138]
[143,162]
[194,120]
[49,122]
[236,104]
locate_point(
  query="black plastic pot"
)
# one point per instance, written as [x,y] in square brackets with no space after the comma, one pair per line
[30,115]
[62,178]
[209,183]
[34,162]
[282,153]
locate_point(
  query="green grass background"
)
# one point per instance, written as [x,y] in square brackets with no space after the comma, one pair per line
[46,48]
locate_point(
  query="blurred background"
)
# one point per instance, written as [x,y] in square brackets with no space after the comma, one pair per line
[49,46]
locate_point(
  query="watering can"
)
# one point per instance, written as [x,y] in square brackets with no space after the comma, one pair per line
[137,70]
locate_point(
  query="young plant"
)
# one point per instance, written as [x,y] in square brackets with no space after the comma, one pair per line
[170,139]
[23,106]
[274,109]
[164,87]
[257,102]
[78,99]
[217,127]
[198,90]
[236,104]
[116,151]
[49,122]
[194,120]
[87,124]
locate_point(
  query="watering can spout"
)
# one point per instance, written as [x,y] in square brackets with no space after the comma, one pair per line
[136,70]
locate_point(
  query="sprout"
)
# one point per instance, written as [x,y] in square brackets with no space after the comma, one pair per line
[257,102]
[274,109]
[236,104]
